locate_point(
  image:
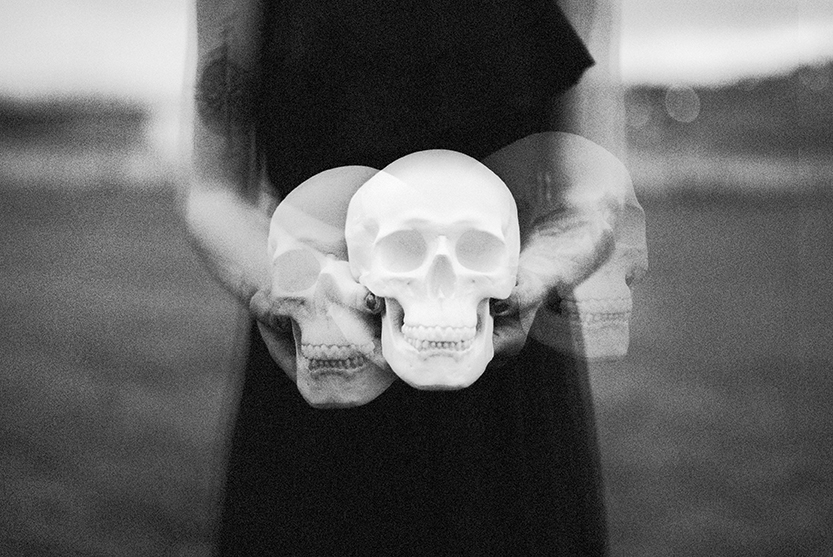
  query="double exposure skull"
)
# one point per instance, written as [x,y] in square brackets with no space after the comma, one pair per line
[435,233]
[571,177]
[336,345]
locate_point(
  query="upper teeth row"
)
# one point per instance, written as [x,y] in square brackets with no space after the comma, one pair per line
[334,351]
[438,334]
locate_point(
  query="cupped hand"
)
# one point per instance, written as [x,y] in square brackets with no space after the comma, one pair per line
[276,329]
[513,316]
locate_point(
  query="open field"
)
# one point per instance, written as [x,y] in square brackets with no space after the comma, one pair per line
[114,359]
[115,385]
[717,432]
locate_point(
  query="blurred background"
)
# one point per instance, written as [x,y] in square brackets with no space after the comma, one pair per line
[116,348]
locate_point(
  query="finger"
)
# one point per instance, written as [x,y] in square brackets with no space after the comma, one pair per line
[260,307]
[365,301]
[340,285]
[529,290]
[503,308]
[271,313]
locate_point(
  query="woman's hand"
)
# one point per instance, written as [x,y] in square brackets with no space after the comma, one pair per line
[276,330]
[513,316]
[569,192]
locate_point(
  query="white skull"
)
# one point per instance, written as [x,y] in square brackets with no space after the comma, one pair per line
[335,344]
[436,234]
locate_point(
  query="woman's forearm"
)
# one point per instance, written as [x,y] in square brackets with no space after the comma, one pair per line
[230,235]
[594,107]
[221,188]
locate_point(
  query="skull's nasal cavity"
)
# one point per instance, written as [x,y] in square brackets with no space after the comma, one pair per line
[441,277]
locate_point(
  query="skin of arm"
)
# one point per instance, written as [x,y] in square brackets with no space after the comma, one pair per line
[220,201]
[223,204]
[226,202]
[227,211]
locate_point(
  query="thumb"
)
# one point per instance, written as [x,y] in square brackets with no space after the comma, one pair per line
[338,284]
[530,290]
[260,307]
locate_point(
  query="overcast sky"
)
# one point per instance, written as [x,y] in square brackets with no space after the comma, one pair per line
[136,48]
[716,40]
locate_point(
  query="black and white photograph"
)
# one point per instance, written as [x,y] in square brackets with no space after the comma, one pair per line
[416,278]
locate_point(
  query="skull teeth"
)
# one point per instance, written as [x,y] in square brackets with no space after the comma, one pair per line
[442,335]
[335,352]
[424,345]
[343,364]
[452,339]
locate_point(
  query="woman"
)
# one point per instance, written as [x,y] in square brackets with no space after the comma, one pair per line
[286,89]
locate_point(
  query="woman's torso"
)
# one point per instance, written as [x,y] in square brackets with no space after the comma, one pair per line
[367,82]
[507,466]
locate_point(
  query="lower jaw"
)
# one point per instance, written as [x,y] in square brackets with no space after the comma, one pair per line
[436,356]
[329,388]
[436,368]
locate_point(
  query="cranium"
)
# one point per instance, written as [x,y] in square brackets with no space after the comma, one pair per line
[337,350]
[568,176]
[435,233]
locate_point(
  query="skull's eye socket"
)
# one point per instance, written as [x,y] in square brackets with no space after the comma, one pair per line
[402,251]
[479,251]
[296,270]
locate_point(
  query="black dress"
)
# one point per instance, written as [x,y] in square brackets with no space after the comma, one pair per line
[508,466]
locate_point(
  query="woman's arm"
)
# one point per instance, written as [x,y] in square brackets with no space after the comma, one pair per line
[226,223]
[227,202]
[226,207]
[594,108]
[583,213]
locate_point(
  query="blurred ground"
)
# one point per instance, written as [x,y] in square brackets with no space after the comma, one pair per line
[116,350]
[716,431]
[114,356]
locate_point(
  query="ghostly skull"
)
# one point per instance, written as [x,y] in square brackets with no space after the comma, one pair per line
[593,318]
[568,174]
[338,353]
[436,234]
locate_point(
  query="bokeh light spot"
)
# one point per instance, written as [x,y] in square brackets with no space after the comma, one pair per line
[815,78]
[682,103]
